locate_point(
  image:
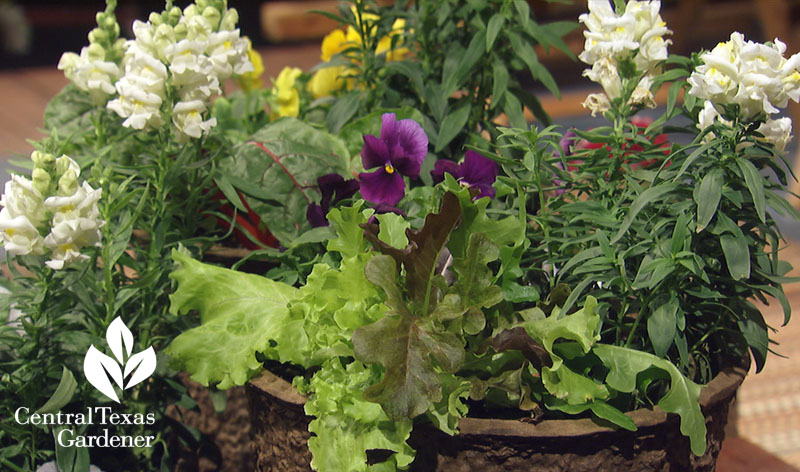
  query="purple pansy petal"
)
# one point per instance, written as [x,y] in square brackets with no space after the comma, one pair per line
[486,191]
[316,216]
[406,166]
[327,186]
[346,189]
[404,137]
[382,187]
[477,170]
[442,166]
[375,153]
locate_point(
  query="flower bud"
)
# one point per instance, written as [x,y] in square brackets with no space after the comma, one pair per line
[229,20]
[201,4]
[96,52]
[97,35]
[64,163]
[155,19]
[41,180]
[174,15]
[212,15]
[191,11]
[109,23]
[68,183]
[42,159]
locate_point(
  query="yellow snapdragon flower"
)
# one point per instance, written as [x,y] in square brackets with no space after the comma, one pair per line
[286,97]
[252,80]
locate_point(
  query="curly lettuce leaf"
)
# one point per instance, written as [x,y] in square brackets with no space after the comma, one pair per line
[560,380]
[682,399]
[239,314]
[347,426]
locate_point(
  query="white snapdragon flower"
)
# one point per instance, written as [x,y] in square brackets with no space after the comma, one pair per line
[192,71]
[777,132]
[228,53]
[607,34]
[141,90]
[75,224]
[752,75]
[89,74]
[597,103]
[604,72]
[19,235]
[188,119]
[22,214]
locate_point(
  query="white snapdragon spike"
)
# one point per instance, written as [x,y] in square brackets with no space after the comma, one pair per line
[188,120]
[752,75]
[637,35]
[75,224]
[90,75]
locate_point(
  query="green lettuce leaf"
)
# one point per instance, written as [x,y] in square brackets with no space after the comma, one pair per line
[239,314]
[347,426]
[683,396]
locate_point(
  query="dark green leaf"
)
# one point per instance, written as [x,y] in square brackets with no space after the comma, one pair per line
[63,394]
[755,184]
[344,109]
[500,82]
[661,326]
[707,196]
[453,124]
[495,24]
[525,52]
[645,198]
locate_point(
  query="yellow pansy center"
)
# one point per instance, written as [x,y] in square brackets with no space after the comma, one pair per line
[388,168]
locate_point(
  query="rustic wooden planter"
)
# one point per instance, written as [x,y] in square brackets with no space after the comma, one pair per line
[280,431]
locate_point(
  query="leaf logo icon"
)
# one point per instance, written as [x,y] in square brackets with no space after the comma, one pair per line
[101,370]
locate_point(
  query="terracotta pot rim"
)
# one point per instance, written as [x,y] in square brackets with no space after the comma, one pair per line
[721,388]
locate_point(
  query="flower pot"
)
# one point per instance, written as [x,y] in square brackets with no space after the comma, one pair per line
[280,431]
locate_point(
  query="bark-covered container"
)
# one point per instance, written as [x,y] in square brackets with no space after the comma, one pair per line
[280,431]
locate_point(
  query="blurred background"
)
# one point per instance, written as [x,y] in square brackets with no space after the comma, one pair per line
[33,35]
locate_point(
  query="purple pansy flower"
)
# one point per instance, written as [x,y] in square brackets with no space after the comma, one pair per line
[333,188]
[476,171]
[399,151]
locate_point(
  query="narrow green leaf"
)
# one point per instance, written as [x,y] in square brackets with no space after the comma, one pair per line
[525,52]
[225,186]
[755,184]
[513,110]
[661,326]
[754,330]
[500,82]
[453,124]
[344,109]
[707,196]
[63,394]
[650,195]
[495,24]
[467,61]
[737,254]
[524,11]
[609,413]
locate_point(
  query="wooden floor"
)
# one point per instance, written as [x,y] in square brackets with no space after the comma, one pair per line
[769,403]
